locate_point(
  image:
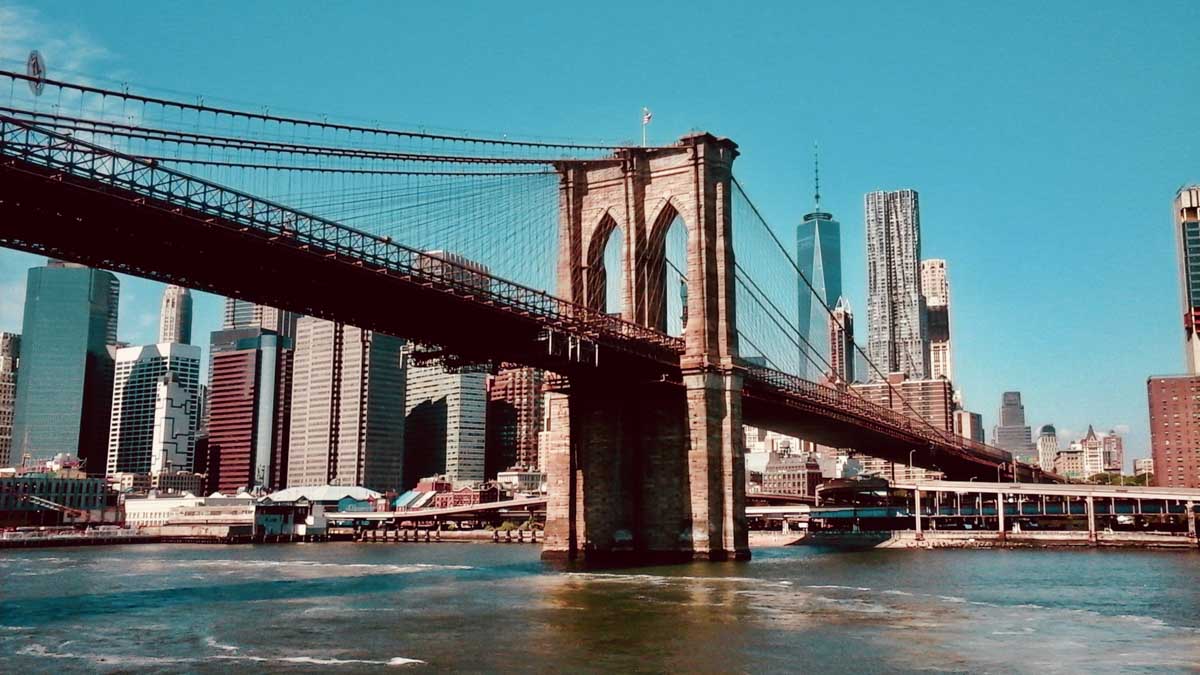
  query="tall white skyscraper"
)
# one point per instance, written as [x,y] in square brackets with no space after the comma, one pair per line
[175,317]
[175,421]
[898,335]
[347,424]
[936,288]
[1187,241]
[446,416]
[144,429]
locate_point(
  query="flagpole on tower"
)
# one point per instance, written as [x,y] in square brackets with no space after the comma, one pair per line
[646,115]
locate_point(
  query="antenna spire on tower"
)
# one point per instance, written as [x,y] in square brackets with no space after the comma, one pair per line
[816,177]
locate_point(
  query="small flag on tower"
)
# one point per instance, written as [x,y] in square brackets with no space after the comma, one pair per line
[646,115]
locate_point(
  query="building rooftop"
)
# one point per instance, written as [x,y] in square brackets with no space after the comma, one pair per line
[323,493]
[1179,376]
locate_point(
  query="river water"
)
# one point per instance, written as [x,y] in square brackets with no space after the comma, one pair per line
[343,607]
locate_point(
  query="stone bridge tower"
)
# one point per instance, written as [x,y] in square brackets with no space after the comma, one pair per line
[650,470]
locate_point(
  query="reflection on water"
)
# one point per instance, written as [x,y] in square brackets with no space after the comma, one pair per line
[480,607]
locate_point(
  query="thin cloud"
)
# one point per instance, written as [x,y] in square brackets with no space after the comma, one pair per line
[64,47]
[70,54]
[12,305]
[13,272]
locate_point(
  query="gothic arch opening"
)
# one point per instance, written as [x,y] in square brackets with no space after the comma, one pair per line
[667,272]
[605,281]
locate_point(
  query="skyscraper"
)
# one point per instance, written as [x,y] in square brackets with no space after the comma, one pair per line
[1175,429]
[841,342]
[969,425]
[936,288]
[928,400]
[10,349]
[1187,239]
[446,417]
[174,438]
[175,316]
[931,401]
[819,256]
[1047,447]
[246,314]
[898,336]
[1093,453]
[347,425]
[514,418]
[1143,466]
[1012,434]
[249,410]
[1069,461]
[141,400]
[1113,452]
[64,392]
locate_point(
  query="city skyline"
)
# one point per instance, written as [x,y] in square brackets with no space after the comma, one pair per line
[991,315]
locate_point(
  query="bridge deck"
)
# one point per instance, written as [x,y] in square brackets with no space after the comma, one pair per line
[1049,490]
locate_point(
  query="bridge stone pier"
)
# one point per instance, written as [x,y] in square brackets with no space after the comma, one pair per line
[650,471]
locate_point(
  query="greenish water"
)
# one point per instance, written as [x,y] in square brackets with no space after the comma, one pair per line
[485,608]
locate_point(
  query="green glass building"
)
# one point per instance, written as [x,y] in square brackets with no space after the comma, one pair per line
[819,257]
[64,394]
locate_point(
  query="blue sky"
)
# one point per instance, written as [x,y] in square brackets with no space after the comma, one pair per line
[1046,139]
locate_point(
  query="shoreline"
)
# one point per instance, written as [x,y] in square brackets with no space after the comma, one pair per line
[758,539]
[1005,540]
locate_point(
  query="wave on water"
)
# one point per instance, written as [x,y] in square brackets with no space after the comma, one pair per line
[125,660]
[39,573]
[667,578]
[388,568]
[212,642]
[326,611]
[40,651]
[1028,612]
[326,661]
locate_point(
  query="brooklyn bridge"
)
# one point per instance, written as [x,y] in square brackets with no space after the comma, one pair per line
[643,278]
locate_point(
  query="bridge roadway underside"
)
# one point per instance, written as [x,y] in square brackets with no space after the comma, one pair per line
[71,219]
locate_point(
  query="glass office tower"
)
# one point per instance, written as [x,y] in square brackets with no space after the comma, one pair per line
[819,256]
[64,392]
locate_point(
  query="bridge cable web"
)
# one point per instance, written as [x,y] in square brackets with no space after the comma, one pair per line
[490,201]
[113,104]
[767,293]
[31,151]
